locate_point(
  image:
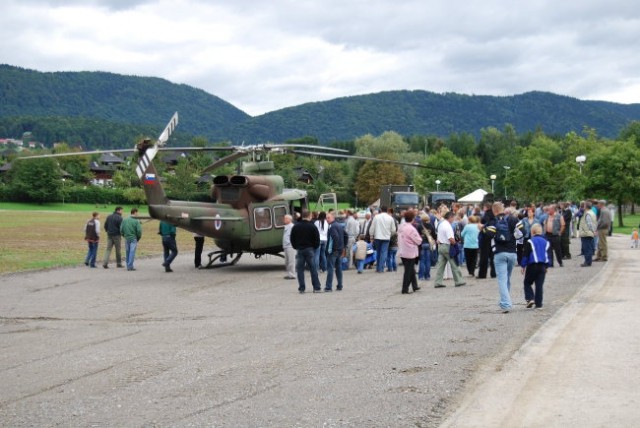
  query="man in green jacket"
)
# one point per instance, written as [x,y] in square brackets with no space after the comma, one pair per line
[131,231]
[168,233]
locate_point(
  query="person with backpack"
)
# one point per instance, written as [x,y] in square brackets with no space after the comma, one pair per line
[504,232]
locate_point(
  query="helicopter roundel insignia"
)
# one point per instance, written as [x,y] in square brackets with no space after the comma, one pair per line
[217,223]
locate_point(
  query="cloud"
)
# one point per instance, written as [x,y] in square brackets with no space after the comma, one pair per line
[264,56]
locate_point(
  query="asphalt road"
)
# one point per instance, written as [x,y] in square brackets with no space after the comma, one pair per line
[240,347]
[580,369]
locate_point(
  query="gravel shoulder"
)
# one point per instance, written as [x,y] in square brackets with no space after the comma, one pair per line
[239,346]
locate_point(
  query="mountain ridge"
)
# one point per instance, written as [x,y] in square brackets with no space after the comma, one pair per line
[150,101]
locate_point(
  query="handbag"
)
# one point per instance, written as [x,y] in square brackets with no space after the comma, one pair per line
[453,251]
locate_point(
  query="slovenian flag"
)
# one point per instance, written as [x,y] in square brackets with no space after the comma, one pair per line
[149,179]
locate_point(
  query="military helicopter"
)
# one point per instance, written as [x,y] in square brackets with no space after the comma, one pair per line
[248,215]
[249,209]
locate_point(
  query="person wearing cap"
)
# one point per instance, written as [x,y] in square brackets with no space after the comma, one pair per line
[604,223]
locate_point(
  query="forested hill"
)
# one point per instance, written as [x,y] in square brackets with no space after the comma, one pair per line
[106,110]
[112,97]
[428,113]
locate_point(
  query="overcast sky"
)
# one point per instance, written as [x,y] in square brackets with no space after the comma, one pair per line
[265,55]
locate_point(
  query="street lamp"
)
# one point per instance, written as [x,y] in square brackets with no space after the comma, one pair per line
[356,200]
[506,171]
[438,185]
[493,180]
[581,160]
[63,180]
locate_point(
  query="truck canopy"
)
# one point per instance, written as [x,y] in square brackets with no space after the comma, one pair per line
[435,199]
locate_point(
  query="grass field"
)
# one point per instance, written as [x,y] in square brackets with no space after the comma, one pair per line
[43,238]
[52,235]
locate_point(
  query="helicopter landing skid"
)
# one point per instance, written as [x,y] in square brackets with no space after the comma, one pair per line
[217,255]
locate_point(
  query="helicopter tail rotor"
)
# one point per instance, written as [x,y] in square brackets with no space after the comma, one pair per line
[146,170]
[148,152]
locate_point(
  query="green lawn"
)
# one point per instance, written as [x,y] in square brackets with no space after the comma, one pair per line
[59,207]
[629,221]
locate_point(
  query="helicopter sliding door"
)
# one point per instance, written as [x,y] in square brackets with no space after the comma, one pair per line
[266,221]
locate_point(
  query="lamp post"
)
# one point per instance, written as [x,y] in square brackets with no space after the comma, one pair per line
[506,172]
[493,180]
[356,200]
[63,180]
[438,185]
[581,160]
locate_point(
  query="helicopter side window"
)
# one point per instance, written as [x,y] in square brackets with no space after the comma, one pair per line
[278,214]
[262,218]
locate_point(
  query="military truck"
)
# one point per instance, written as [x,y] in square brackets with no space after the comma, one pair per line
[399,197]
[435,199]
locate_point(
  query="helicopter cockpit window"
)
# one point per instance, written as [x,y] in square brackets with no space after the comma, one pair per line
[262,218]
[278,214]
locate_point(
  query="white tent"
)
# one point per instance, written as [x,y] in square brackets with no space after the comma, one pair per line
[474,197]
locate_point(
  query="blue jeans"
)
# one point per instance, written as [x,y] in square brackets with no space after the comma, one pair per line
[306,257]
[91,254]
[424,272]
[587,249]
[461,258]
[334,263]
[130,246]
[170,249]
[382,246]
[392,263]
[504,263]
[360,265]
[320,257]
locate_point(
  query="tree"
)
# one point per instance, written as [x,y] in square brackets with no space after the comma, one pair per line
[389,145]
[374,174]
[631,132]
[462,145]
[614,173]
[439,166]
[182,181]
[371,175]
[37,180]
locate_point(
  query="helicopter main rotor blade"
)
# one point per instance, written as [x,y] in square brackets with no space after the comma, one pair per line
[225,160]
[306,146]
[366,158]
[92,152]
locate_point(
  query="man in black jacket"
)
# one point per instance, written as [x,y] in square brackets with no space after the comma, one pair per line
[112,227]
[486,253]
[305,238]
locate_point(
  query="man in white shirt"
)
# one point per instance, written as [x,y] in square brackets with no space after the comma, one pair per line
[445,240]
[352,228]
[382,227]
[289,251]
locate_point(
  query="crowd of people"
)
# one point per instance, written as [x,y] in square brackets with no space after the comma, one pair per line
[487,240]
